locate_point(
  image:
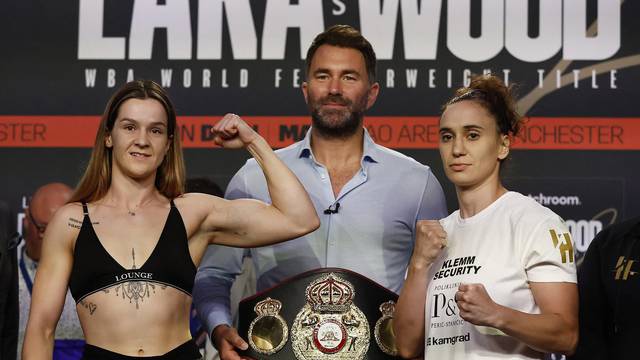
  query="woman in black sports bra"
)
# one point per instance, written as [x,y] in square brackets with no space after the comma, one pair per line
[129,242]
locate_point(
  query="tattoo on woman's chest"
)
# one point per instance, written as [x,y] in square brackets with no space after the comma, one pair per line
[136,291]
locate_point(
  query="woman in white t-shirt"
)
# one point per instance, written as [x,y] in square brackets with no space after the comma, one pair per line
[495,279]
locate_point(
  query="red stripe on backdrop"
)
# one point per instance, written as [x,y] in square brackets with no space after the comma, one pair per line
[394,132]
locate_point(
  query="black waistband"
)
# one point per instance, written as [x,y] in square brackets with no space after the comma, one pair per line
[186,351]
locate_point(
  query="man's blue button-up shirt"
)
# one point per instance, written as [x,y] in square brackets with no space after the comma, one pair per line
[372,232]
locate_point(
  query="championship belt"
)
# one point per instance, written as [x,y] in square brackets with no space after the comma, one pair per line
[327,313]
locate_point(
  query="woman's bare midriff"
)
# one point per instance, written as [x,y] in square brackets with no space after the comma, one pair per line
[136,318]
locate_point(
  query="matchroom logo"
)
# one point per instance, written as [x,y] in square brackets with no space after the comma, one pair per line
[562,200]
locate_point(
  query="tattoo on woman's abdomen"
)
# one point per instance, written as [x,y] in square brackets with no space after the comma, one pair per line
[89,306]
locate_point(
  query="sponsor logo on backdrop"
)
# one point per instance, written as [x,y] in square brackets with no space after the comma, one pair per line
[581,231]
[562,200]
[195,45]
[585,212]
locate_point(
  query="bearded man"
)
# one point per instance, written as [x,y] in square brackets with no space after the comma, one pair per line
[368,197]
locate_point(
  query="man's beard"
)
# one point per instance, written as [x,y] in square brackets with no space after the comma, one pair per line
[334,123]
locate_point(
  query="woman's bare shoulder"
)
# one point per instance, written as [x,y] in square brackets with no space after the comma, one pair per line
[69,211]
[197,200]
[69,217]
[197,208]
[65,225]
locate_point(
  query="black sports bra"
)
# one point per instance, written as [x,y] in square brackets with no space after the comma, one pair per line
[170,263]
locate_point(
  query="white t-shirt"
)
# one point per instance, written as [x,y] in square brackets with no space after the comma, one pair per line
[512,242]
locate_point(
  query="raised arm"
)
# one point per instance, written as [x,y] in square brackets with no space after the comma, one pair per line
[408,320]
[252,223]
[50,284]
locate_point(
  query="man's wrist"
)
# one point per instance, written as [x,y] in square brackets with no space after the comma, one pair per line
[216,333]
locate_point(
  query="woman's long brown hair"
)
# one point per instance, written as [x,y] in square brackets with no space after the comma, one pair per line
[170,176]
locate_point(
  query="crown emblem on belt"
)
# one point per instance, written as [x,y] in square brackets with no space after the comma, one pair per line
[268,307]
[388,308]
[269,331]
[330,294]
[330,325]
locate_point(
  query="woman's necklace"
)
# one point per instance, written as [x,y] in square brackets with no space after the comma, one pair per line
[132,212]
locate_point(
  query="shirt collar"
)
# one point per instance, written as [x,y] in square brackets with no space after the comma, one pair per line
[31,264]
[369,153]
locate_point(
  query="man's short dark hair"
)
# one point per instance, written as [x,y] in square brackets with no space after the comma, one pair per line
[345,36]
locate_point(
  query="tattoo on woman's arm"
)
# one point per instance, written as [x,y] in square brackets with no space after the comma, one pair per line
[74,223]
[77,224]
